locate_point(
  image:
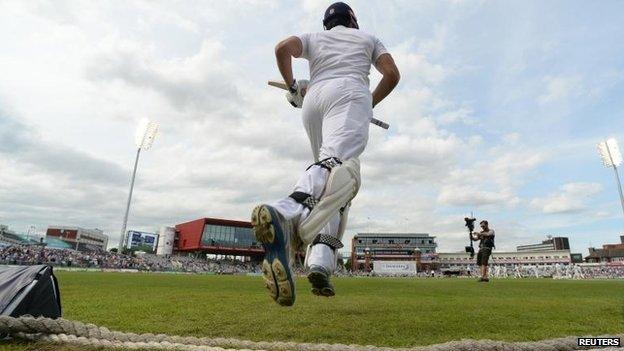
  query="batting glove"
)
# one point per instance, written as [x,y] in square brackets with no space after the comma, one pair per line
[296,92]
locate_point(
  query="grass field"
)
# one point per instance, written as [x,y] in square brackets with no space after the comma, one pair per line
[378,311]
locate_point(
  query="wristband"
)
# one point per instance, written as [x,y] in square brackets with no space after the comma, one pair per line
[293,87]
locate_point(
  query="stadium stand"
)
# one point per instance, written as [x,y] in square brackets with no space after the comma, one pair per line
[30,255]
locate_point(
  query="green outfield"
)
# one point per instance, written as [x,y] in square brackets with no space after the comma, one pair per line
[377,311]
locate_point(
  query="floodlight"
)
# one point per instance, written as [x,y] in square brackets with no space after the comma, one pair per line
[145,134]
[611,157]
[610,153]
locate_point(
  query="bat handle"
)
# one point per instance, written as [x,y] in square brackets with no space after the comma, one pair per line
[379,123]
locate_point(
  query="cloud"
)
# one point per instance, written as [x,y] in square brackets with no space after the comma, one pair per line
[404,159]
[416,67]
[461,114]
[492,180]
[558,88]
[201,83]
[571,198]
[22,145]
[458,195]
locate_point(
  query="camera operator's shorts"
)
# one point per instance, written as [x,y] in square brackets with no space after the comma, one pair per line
[484,256]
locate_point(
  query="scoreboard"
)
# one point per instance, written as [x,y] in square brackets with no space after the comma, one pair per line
[141,241]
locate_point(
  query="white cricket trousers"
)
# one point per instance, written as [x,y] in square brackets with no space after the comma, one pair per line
[336,116]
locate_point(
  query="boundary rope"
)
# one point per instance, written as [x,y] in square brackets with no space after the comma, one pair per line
[72,332]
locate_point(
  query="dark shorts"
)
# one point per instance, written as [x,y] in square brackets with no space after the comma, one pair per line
[484,256]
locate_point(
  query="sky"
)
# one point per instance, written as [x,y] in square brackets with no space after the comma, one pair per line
[498,112]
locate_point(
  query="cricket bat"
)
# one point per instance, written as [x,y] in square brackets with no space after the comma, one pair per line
[282,85]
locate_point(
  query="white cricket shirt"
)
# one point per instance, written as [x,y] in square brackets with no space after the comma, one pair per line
[340,52]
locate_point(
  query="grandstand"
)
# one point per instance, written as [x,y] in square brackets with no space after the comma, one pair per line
[550,244]
[366,248]
[9,237]
[104,260]
[462,260]
[81,239]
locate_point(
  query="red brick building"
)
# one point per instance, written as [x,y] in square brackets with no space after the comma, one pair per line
[611,254]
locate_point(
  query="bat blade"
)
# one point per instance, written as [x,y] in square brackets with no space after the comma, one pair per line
[278,84]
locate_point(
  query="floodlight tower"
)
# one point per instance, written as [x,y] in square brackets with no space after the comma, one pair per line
[611,157]
[145,135]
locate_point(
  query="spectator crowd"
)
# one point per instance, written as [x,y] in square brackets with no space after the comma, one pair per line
[29,255]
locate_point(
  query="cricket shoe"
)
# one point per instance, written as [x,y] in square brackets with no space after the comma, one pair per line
[276,234]
[319,278]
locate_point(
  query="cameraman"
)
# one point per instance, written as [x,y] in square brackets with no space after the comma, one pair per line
[485,248]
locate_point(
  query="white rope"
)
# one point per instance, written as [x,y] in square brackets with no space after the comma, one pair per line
[72,332]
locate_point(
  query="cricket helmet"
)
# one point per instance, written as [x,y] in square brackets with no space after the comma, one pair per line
[340,10]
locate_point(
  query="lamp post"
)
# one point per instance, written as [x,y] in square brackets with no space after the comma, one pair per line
[144,138]
[611,157]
